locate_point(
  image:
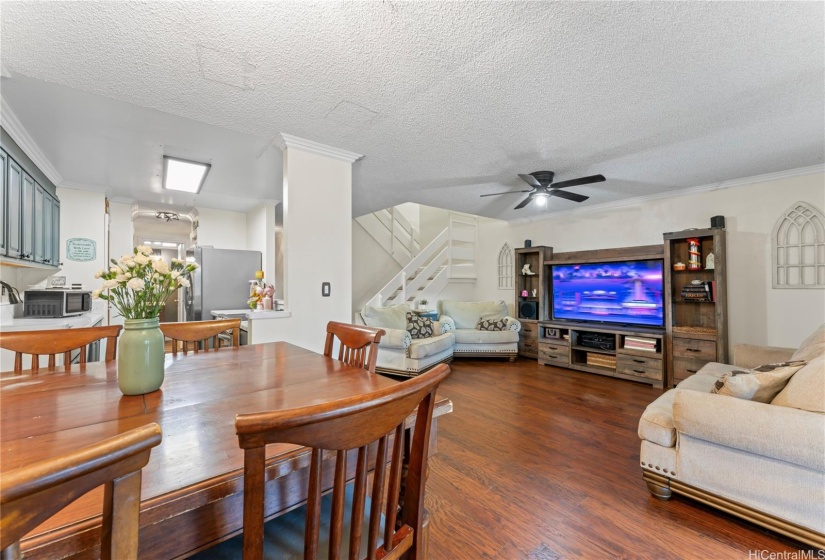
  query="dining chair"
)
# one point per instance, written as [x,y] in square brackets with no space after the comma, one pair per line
[58,341]
[359,427]
[195,332]
[358,344]
[31,494]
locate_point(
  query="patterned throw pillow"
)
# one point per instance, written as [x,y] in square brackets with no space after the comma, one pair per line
[492,324]
[418,326]
[759,384]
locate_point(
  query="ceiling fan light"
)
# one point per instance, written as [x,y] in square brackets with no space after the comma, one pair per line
[541,198]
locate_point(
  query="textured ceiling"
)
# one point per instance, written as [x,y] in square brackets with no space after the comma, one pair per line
[452,100]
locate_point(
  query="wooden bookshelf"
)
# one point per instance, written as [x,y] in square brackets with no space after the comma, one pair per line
[535,257]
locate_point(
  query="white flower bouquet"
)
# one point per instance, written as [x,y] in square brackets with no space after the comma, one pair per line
[138,284]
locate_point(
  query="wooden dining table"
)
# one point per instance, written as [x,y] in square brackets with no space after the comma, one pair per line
[192,491]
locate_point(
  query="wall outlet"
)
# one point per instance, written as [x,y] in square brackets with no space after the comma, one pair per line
[325,289]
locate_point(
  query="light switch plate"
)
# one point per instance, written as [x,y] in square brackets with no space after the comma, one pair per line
[325,289]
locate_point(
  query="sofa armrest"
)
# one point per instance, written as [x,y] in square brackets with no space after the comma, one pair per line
[395,338]
[751,355]
[788,434]
[513,324]
[440,327]
[447,323]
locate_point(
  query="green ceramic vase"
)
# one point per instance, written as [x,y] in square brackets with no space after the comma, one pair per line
[140,357]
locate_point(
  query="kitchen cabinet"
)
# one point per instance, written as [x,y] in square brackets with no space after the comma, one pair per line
[27,220]
[14,211]
[39,239]
[30,216]
[3,197]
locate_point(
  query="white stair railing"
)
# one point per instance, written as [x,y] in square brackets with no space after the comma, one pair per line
[393,232]
[450,257]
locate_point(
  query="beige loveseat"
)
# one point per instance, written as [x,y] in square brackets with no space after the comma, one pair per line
[462,317]
[764,462]
[400,354]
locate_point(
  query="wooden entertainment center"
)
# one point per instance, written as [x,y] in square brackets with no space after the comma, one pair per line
[694,331]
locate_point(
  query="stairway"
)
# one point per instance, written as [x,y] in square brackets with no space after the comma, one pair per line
[450,257]
[393,232]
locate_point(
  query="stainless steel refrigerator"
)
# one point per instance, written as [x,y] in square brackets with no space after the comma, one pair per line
[220,282]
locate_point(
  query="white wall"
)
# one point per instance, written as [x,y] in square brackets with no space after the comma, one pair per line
[432,221]
[372,267]
[260,236]
[82,214]
[317,210]
[221,229]
[757,313]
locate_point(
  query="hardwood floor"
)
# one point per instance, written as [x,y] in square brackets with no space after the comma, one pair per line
[540,463]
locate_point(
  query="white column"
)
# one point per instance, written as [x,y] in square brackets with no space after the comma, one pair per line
[317,207]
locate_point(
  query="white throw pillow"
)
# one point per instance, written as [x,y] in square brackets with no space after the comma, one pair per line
[759,384]
[806,389]
[392,317]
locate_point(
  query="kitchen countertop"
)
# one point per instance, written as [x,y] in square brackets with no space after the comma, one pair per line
[251,314]
[34,324]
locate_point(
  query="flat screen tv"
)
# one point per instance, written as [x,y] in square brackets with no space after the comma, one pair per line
[626,292]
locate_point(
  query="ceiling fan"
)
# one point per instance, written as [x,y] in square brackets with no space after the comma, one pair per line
[544,188]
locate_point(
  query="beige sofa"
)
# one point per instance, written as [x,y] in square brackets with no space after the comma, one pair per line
[461,317]
[764,462]
[400,354]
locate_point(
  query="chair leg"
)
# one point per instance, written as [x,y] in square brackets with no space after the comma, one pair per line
[424,542]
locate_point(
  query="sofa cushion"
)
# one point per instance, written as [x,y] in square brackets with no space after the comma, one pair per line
[423,347]
[715,369]
[475,336]
[492,324]
[759,384]
[806,389]
[466,314]
[392,317]
[418,326]
[656,424]
[811,347]
[699,382]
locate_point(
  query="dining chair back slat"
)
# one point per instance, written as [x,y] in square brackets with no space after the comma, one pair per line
[29,495]
[58,341]
[356,424]
[193,333]
[358,345]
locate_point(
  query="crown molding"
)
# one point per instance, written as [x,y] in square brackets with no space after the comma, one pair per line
[764,178]
[20,135]
[84,187]
[285,141]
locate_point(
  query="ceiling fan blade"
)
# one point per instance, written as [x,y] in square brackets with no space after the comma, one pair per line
[524,202]
[569,195]
[530,180]
[579,181]
[508,192]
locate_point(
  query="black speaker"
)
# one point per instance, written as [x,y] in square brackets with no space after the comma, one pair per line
[528,243]
[717,222]
[528,309]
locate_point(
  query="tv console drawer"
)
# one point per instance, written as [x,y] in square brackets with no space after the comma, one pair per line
[529,328]
[559,356]
[554,347]
[694,349]
[641,362]
[651,371]
[685,367]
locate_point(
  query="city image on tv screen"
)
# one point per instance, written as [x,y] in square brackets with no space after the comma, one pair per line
[627,292]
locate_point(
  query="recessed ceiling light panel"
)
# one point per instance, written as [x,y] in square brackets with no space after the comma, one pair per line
[183,175]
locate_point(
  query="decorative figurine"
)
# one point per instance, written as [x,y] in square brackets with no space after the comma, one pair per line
[524,293]
[535,292]
[694,254]
[710,262]
[526,270]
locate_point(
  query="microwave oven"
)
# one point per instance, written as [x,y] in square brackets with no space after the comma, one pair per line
[56,303]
